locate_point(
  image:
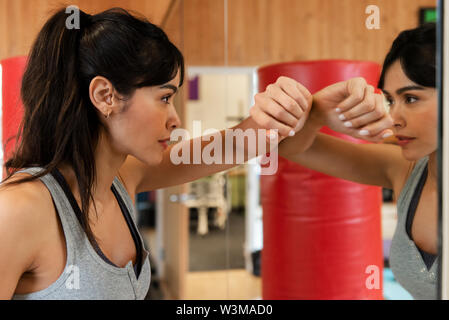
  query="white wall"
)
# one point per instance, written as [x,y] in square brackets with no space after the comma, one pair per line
[220,96]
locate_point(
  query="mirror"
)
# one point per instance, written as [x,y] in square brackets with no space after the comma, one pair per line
[219,238]
[219,36]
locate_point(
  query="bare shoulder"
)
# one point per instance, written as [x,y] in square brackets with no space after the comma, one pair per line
[24,211]
[23,219]
[24,197]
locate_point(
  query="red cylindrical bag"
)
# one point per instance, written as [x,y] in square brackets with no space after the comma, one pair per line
[12,108]
[322,235]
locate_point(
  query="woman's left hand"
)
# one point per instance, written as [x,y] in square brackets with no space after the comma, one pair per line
[283,106]
[352,107]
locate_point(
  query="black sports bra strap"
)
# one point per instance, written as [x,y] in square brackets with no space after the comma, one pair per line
[138,265]
[427,257]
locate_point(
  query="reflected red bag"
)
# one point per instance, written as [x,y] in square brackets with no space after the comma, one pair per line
[322,235]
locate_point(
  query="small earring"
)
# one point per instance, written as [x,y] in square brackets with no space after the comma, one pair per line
[109,113]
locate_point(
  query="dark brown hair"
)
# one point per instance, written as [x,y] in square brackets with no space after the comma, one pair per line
[415,49]
[60,124]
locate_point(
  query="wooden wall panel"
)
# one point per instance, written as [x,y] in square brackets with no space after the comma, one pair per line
[21,20]
[268,31]
[204,32]
[259,31]
[173,24]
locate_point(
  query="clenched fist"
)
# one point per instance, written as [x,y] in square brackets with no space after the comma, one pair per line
[283,106]
[352,107]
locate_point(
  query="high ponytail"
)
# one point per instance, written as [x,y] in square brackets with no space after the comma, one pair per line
[60,124]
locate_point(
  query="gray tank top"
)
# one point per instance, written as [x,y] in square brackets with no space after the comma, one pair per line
[88,274]
[406,260]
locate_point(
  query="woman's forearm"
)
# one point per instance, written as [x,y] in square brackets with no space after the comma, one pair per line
[192,159]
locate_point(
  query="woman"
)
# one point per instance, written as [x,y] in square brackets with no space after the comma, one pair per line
[98,114]
[410,169]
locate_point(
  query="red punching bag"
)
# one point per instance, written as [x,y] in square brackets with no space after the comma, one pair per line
[322,235]
[12,108]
